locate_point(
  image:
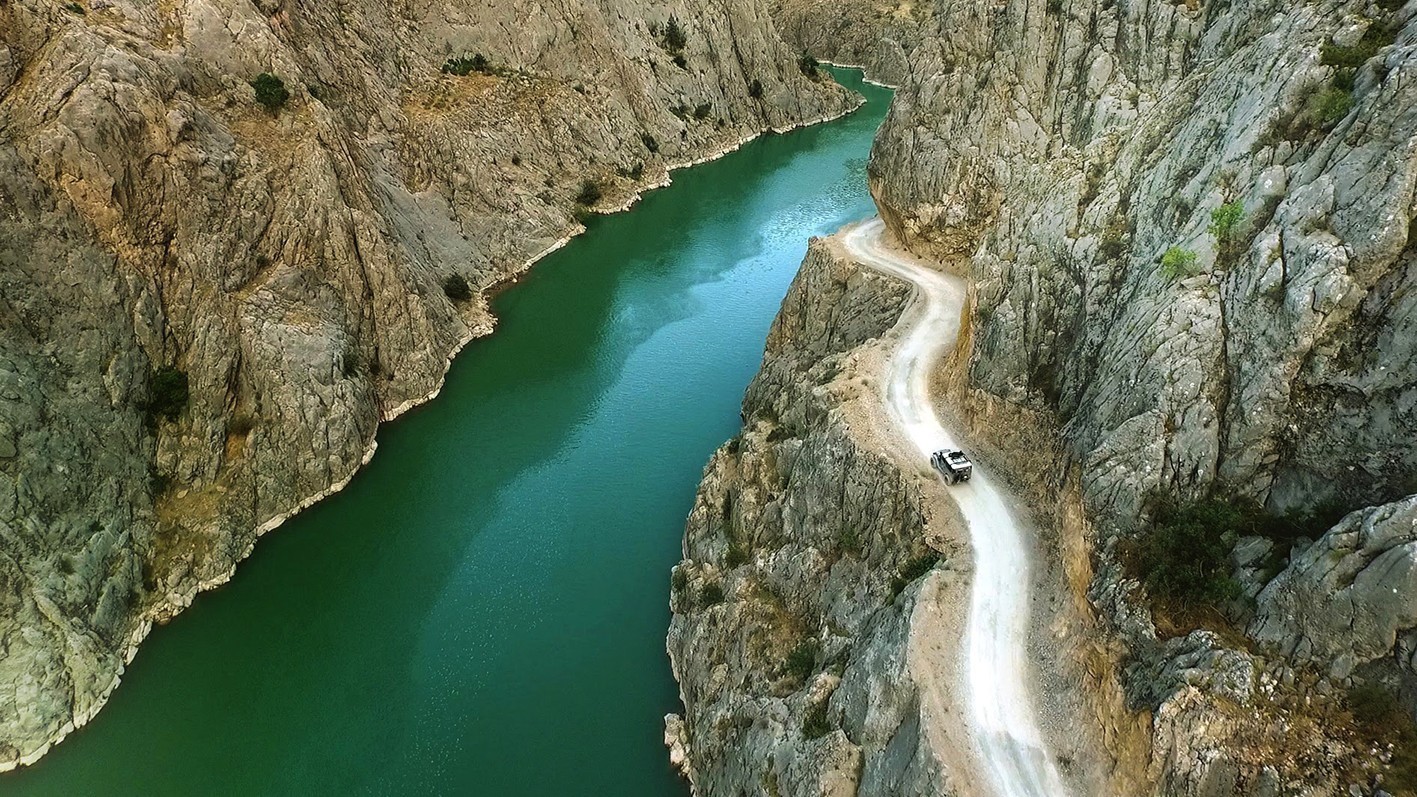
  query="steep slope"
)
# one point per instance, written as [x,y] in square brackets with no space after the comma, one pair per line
[1189,233]
[207,307]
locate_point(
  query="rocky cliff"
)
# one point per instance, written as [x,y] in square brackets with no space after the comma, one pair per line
[1190,233]
[817,589]
[878,37]
[214,286]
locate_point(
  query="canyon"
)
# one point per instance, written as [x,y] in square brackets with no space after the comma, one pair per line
[211,297]
[1154,265]
[1187,231]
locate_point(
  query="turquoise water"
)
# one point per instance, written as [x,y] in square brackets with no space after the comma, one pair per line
[483,609]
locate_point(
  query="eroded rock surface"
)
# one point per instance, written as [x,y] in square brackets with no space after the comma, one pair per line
[293,265]
[810,610]
[1056,152]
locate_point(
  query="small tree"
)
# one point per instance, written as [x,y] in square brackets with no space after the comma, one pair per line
[1178,263]
[1225,221]
[674,36]
[456,288]
[270,91]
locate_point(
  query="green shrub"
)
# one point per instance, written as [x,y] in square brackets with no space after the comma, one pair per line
[456,288]
[464,65]
[589,194]
[1328,107]
[849,538]
[679,580]
[1184,557]
[702,111]
[802,661]
[807,64]
[1055,6]
[649,142]
[1354,56]
[167,394]
[755,89]
[77,9]
[1225,221]
[1178,263]
[674,36]
[270,91]
[711,594]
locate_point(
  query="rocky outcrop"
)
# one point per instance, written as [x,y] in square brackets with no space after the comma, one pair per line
[818,593]
[1190,233]
[207,306]
[1345,600]
[877,37]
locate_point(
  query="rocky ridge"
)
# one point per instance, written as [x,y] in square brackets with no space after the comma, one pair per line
[207,306]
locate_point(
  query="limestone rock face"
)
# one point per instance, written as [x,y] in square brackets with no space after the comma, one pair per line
[1059,150]
[798,625]
[294,265]
[1344,601]
[1083,162]
[878,37]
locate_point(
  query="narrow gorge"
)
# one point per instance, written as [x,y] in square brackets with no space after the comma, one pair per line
[1188,236]
[1151,265]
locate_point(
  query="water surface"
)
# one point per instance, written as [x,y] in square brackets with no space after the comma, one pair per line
[482,611]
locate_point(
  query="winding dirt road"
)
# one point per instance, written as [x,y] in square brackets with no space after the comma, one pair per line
[1004,728]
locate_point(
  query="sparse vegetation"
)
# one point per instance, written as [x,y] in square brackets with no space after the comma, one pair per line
[735,556]
[1379,716]
[1328,107]
[808,65]
[270,91]
[1183,558]
[849,538]
[702,111]
[650,144]
[802,661]
[1055,6]
[241,424]
[589,194]
[167,394]
[465,65]
[711,594]
[755,89]
[77,9]
[456,288]
[1178,263]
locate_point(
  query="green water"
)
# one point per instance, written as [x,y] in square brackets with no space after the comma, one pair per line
[482,611]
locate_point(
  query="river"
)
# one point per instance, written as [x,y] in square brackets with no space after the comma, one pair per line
[482,611]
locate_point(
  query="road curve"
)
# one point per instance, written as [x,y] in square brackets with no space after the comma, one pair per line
[1004,728]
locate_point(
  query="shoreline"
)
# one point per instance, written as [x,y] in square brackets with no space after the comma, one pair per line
[173,603]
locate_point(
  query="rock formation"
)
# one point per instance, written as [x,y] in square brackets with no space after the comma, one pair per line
[215,285]
[810,602]
[1190,233]
[1189,230]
